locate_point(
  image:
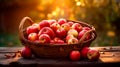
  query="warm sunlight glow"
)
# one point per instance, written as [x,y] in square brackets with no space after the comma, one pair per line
[55,9]
[54,13]
[78,3]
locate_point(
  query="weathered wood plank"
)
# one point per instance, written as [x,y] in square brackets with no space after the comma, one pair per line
[10,49]
[107,56]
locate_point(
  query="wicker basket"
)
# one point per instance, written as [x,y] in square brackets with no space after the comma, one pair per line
[54,50]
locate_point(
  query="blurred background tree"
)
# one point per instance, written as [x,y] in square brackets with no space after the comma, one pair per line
[103,14]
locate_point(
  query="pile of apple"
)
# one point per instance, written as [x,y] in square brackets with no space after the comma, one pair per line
[56,32]
[60,32]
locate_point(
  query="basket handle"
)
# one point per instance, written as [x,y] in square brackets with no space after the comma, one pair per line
[81,41]
[23,21]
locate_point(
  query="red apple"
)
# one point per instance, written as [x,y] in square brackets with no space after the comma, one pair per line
[60,42]
[75,55]
[86,28]
[32,36]
[26,52]
[77,27]
[72,41]
[62,21]
[44,38]
[69,36]
[70,23]
[66,26]
[84,51]
[55,26]
[36,25]
[61,33]
[31,29]
[56,39]
[52,21]
[47,30]
[81,33]
[44,23]
[93,54]
[52,42]
[73,32]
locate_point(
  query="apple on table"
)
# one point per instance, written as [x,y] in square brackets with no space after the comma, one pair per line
[26,52]
[93,54]
[75,55]
[84,52]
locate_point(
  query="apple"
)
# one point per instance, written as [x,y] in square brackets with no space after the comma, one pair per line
[72,41]
[56,39]
[36,25]
[70,23]
[77,27]
[61,33]
[86,28]
[93,54]
[60,42]
[66,26]
[81,33]
[52,21]
[44,23]
[62,21]
[73,32]
[52,42]
[31,29]
[44,38]
[32,36]
[69,36]
[55,26]
[26,52]
[47,30]
[84,51]
[75,55]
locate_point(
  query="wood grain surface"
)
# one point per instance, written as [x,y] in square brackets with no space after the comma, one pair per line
[109,56]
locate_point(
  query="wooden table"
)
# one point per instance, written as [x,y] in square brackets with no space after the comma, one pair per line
[108,57]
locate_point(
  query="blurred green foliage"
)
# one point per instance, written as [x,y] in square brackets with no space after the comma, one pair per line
[9,40]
